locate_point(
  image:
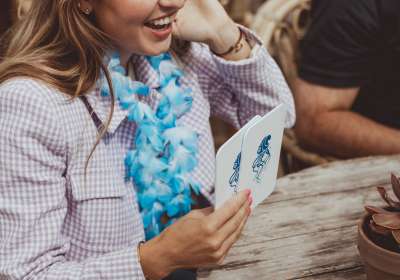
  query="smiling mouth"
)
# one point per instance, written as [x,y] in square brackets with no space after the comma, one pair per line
[160,24]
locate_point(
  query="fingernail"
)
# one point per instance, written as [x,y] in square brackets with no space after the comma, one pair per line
[250,200]
[249,211]
[248,192]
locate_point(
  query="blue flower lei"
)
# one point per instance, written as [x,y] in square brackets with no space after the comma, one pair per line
[165,154]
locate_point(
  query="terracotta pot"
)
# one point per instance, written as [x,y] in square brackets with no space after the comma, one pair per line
[380,264]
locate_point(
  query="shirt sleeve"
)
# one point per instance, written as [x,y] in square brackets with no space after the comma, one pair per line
[340,46]
[32,195]
[239,90]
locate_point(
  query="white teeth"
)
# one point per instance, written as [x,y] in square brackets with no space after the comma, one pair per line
[163,21]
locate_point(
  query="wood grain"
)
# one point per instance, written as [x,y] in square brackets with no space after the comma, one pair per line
[307,229]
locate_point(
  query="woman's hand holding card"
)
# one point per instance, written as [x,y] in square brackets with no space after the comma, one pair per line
[201,238]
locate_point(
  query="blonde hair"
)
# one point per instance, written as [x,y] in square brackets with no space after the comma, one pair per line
[22,7]
[56,43]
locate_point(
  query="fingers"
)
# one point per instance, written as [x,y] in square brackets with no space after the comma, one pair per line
[228,209]
[234,223]
[231,240]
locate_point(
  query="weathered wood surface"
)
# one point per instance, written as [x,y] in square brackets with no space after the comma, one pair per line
[307,229]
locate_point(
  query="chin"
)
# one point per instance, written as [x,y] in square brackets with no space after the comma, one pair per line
[152,48]
[157,48]
[156,52]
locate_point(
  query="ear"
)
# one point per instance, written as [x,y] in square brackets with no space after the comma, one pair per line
[85,6]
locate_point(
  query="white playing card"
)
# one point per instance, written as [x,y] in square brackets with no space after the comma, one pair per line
[227,165]
[260,154]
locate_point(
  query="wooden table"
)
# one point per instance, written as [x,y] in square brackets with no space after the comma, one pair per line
[307,229]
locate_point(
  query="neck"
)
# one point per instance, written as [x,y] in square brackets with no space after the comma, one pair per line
[125,56]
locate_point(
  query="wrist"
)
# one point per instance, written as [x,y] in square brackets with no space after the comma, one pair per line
[154,259]
[224,38]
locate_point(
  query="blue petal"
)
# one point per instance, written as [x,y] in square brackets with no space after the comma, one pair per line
[147,198]
[147,218]
[126,101]
[140,113]
[180,204]
[155,61]
[149,134]
[181,101]
[182,135]
[177,184]
[164,191]
[173,209]
[164,107]
[152,164]
[139,88]
[131,159]
[182,160]
[143,177]
[158,210]
[168,121]
[169,71]
[195,187]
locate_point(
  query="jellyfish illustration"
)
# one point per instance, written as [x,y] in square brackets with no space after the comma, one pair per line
[234,179]
[263,157]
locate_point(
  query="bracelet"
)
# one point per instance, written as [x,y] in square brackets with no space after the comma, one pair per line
[236,47]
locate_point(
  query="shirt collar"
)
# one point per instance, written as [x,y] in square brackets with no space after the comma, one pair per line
[138,69]
[102,106]
[141,70]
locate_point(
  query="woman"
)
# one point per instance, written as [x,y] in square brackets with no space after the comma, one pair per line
[102,142]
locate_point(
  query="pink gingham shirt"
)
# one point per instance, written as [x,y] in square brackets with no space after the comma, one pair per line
[53,225]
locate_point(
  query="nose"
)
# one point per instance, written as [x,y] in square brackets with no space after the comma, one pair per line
[172,4]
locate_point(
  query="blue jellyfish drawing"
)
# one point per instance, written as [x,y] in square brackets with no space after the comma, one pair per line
[262,159]
[234,179]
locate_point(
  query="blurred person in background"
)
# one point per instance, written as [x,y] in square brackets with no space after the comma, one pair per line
[105,136]
[348,91]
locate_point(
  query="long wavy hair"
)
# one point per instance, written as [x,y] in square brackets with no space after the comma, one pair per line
[56,43]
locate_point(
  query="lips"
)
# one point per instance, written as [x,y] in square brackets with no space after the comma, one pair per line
[162,23]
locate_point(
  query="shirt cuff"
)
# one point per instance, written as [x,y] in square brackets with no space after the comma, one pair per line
[256,61]
[255,50]
[124,263]
[256,45]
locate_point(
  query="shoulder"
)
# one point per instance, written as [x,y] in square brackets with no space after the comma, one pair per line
[343,37]
[332,7]
[30,91]
[346,14]
[25,96]
[29,107]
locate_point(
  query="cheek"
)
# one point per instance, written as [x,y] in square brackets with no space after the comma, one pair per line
[118,17]
[133,11]
[123,21]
